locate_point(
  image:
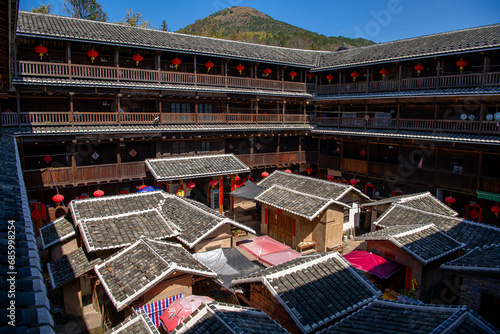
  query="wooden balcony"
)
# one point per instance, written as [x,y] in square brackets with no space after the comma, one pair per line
[444,81]
[84,174]
[460,126]
[272,159]
[47,118]
[120,74]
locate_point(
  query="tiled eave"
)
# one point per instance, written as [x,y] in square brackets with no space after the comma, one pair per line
[164,87]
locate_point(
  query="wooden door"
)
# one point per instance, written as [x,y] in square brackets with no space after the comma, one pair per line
[280,227]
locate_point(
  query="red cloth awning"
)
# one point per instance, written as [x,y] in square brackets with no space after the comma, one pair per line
[262,246]
[372,263]
[280,257]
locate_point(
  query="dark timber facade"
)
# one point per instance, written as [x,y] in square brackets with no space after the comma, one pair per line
[84,124]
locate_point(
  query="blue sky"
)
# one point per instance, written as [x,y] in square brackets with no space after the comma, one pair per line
[380,21]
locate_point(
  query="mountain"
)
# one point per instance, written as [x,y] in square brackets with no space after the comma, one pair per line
[249,25]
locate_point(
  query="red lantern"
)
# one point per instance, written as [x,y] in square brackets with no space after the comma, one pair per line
[288,171]
[496,210]
[58,198]
[310,76]
[354,182]
[383,72]
[191,185]
[176,61]
[419,68]
[240,68]
[309,170]
[209,65]
[41,50]
[330,177]
[461,64]
[237,178]
[265,174]
[329,77]
[293,74]
[143,186]
[267,71]
[137,59]
[98,193]
[354,75]
[93,54]
[213,182]
[450,200]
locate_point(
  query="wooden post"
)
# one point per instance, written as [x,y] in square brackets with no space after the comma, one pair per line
[196,111]
[232,189]
[252,144]
[481,115]
[221,196]
[119,161]
[283,112]
[118,108]
[278,151]
[117,63]
[479,170]
[68,58]
[225,73]
[257,111]
[367,79]
[398,115]
[300,149]
[18,109]
[399,77]
[195,71]
[485,68]
[71,108]
[436,110]
[158,65]
[438,73]
[73,164]
[304,114]
[160,107]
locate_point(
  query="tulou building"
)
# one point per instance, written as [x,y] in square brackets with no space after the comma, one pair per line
[335,142]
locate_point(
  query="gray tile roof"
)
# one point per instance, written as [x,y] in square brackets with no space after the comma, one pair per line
[423,201]
[315,290]
[69,267]
[138,323]
[59,27]
[465,231]
[31,302]
[59,230]
[425,243]
[472,91]
[151,85]
[389,317]
[178,168]
[170,128]
[464,40]
[222,318]
[304,205]
[117,221]
[486,259]
[438,136]
[308,185]
[133,271]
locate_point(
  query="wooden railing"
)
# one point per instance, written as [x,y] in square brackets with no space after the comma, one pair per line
[84,174]
[108,118]
[443,81]
[272,159]
[119,74]
[483,127]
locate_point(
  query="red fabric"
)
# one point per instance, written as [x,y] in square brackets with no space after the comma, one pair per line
[372,263]
[280,257]
[181,309]
[262,246]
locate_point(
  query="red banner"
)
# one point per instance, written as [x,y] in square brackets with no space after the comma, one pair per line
[408,279]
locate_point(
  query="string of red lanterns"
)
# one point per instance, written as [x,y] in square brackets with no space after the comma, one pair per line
[209,65]
[354,75]
[383,72]
[98,193]
[93,54]
[176,62]
[137,58]
[419,68]
[41,50]
[240,68]
[461,64]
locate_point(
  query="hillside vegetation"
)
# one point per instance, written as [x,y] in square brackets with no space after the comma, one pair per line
[249,25]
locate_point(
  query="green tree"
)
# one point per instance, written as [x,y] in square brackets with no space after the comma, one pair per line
[135,20]
[164,26]
[85,9]
[43,9]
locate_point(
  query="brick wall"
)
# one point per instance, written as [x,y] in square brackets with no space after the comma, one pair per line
[262,299]
[473,286]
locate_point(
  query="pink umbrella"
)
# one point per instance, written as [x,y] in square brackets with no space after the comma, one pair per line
[181,309]
[372,263]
